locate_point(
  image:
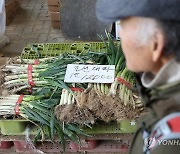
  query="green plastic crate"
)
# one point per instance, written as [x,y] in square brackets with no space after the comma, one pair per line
[18,127]
[111,128]
[13,127]
[34,51]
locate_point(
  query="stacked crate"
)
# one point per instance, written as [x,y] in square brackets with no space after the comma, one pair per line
[54,8]
[103,138]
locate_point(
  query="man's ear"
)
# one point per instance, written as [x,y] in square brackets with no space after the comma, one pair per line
[158,45]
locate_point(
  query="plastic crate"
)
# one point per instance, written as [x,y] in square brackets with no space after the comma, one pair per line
[4,145]
[13,127]
[34,51]
[124,126]
[19,127]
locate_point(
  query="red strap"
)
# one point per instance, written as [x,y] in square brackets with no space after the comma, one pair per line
[19,101]
[36,62]
[77,89]
[30,79]
[174,124]
[121,80]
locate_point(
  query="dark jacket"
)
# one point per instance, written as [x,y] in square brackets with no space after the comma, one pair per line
[160,102]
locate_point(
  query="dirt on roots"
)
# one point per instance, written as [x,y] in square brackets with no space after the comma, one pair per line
[93,106]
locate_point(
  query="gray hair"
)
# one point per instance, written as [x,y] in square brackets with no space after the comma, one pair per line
[170,29]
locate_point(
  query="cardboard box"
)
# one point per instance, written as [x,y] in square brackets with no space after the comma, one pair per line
[11,7]
[54,5]
[55,19]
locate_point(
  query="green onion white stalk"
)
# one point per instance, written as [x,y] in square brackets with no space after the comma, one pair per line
[7,103]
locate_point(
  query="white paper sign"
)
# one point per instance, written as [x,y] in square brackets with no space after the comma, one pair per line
[76,73]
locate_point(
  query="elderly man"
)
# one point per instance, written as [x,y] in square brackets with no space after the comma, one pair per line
[150,37]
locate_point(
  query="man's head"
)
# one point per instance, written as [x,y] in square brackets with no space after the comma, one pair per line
[149,40]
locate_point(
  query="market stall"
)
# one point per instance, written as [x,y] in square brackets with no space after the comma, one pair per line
[43,106]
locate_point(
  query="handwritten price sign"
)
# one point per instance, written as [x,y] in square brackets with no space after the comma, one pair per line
[76,73]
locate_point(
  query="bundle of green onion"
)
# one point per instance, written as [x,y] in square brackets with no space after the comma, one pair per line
[40,111]
[48,73]
[46,81]
[124,79]
[8,103]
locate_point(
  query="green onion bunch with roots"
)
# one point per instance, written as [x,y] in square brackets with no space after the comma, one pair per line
[39,110]
[52,99]
[116,57]
[107,102]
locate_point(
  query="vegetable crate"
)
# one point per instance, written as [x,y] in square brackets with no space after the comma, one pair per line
[13,127]
[34,51]
[19,127]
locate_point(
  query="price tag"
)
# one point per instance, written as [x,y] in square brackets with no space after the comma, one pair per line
[76,73]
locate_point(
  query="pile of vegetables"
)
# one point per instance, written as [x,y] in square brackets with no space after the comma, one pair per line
[106,102]
[48,101]
[39,110]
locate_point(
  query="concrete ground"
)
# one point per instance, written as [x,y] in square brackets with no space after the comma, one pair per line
[31,24]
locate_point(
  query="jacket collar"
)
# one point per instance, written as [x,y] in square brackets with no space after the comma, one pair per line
[169,73]
[150,96]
